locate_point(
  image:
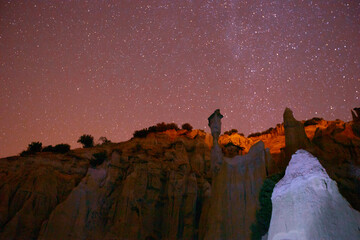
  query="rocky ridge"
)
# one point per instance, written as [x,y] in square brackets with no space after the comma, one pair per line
[158,187]
[148,187]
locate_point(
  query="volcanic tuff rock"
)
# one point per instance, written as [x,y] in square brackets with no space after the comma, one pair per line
[30,188]
[153,183]
[235,193]
[216,152]
[335,143]
[235,190]
[338,149]
[73,218]
[149,187]
[307,204]
[158,186]
[237,140]
[295,136]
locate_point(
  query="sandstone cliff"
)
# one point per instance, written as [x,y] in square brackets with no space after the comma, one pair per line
[334,143]
[152,187]
[236,183]
[295,136]
[235,194]
[31,188]
[163,186]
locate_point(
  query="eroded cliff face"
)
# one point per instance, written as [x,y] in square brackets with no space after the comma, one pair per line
[31,187]
[152,187]
[235,194]
[161,186]
[338,149]
[336,146]
[236,183]
[335,143]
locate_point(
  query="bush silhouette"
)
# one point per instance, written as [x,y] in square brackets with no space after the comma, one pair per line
[187,126]
[104,140]
[141,133]
[160,127]
[232,131]
[263,215]
[33,148]
[98,159]
[24,153]
[86,140]
[312,121]
[59,148]
[254,134]
[257,134]
[49,148]
[172,126]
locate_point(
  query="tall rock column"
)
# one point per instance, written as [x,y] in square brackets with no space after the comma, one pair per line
[236,184]
[295,136]
[216,153]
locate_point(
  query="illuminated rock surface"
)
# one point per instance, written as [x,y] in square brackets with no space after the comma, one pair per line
[161,185]
[307,204]
[235,194]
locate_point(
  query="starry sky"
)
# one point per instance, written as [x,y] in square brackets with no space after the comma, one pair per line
[108,68]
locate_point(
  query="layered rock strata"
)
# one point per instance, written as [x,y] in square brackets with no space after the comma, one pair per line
[161,186]
[30,189]
[148,188]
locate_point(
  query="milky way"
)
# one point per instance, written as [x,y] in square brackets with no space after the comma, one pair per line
[108,68]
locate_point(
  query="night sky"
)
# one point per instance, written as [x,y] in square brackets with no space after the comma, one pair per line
[108,68]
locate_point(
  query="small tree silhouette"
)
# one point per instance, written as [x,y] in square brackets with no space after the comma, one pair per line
[86,140]
[141,133]
[49,148]
[34,147]
[61,148]
[160,127]
[104,140]
[230,132]
[263,215]
[187,126]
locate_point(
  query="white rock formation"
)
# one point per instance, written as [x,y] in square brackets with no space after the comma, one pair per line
[307,205]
